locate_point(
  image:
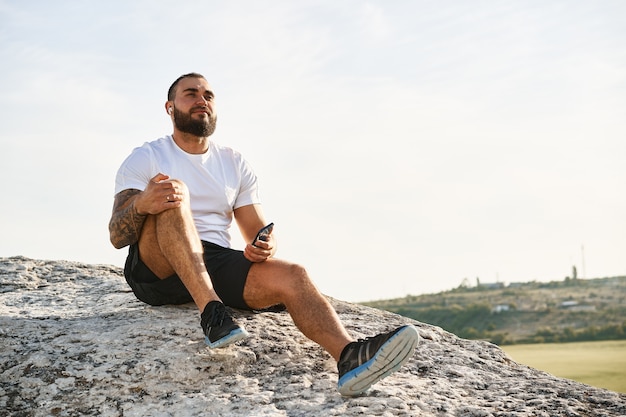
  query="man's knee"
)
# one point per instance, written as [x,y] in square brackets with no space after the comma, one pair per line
[276,281]
[297,270]
[298,278]
[183,196]
[180,186]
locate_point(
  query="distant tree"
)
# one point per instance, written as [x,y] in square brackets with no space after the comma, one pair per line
[470,333]
[568,334]
[547,335]
[498,338]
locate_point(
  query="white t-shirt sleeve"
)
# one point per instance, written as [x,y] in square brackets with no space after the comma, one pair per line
[248,190]
[136,171]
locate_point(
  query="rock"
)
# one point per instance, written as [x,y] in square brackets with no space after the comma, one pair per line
[75,342]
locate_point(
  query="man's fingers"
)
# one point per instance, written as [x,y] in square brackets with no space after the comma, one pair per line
[159,177]
[256,254]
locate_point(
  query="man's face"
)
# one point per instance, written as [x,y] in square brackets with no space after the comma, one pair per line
[194,107]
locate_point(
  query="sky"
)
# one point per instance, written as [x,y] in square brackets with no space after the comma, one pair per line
[402,147]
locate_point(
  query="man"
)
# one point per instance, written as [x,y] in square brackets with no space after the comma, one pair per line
[174,204]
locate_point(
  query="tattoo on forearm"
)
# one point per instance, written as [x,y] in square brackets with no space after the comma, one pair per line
[125,225]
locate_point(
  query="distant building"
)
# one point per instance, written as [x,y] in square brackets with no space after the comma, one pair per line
[491,285]
[575,306]
[500,308]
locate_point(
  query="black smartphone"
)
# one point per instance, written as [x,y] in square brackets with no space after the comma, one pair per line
[263,233]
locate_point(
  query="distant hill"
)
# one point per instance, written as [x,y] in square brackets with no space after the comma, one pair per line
[532,312]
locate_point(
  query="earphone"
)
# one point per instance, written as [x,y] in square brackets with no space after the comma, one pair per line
[170,110]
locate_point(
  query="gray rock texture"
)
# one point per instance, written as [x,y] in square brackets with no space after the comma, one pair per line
[75,342]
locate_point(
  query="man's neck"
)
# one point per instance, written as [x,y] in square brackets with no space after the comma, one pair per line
[190,143]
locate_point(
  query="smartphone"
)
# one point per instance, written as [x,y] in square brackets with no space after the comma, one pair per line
[263,233]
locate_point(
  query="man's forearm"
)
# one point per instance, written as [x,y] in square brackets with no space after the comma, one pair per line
[125,225]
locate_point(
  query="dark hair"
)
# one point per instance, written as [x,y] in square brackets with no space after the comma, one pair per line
[172,90]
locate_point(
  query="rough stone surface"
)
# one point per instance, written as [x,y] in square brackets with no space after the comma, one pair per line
[75,342]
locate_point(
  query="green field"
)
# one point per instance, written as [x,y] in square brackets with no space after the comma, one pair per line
[601,364]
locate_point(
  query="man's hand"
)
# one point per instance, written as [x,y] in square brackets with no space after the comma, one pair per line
[160,194]
[250,219]
[261,250]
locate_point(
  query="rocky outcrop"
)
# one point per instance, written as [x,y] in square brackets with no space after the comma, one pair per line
[75,342]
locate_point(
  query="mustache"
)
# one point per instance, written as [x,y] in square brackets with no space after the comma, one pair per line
[201,108]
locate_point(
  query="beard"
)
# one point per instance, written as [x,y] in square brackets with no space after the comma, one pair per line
[201,128]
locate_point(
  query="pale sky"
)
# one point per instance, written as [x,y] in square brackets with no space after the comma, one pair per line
[401,146]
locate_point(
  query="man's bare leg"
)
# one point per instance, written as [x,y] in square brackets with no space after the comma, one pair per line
[360,363]
[169,244]
[275,281]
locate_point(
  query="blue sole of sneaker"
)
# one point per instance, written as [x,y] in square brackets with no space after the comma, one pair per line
[232,337]
[389,358]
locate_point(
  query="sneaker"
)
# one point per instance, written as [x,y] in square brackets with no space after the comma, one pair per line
[365,362]
[219,327]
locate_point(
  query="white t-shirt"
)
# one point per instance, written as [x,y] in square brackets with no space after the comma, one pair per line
[219,181]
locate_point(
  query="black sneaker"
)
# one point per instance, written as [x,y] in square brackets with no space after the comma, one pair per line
[219,328]
[367,361]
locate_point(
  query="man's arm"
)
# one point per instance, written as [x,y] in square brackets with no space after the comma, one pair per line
[125,224]
[250,219]
[131,207]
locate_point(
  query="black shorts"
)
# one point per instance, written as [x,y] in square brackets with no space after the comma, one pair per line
[228,269]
